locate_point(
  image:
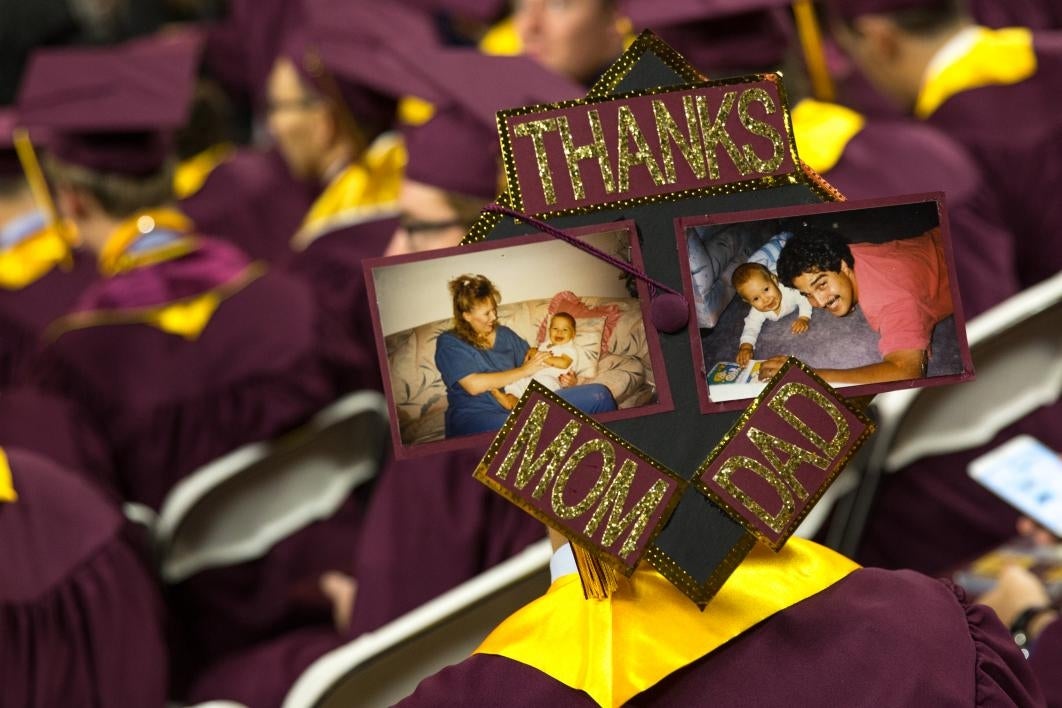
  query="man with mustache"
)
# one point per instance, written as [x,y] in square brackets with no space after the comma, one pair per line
[902,287]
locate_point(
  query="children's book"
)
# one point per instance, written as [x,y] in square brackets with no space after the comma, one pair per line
[728,380]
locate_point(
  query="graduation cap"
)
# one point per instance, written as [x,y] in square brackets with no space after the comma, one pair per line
[686,487]
[346,50]
[111,109]
[480,10]
[851,9]
[719,35]
[457,150]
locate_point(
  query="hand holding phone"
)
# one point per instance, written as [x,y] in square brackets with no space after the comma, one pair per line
[1027,475]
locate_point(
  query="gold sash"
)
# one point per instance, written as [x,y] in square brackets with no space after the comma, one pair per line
[996,57]
[7,487]
[616,648]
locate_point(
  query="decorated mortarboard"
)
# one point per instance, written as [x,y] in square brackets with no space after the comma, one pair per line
[654,141]
[112,109]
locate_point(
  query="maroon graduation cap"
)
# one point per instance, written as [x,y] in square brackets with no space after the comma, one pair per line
[112,109]
[850,9]
[719,35]
[457,150]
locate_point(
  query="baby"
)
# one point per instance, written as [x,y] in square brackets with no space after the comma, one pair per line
[564,356]
[770,300]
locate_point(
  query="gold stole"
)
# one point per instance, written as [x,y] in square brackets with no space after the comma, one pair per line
[32,258]
[365,190]
[996,57]
[192,173]
[7,487]
[616,648]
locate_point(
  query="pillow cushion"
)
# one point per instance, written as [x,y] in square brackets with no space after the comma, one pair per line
[567,301]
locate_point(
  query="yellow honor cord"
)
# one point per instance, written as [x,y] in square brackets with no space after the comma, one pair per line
[996,57]
[814,55]
[600,646]
[7,486]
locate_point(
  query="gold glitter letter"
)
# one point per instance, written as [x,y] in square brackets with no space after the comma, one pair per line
[608,461]
[637,518]
[738,462]
[573,155]
[535,129]
[628,129]
[760,128]
[688,145]
[713,132]
[840,437]
[526,443]
[769,446]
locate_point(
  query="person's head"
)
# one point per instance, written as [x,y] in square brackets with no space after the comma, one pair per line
[575,38]
[475,308]
[307,127]
[431,218]
[757,286]
[561,328]
[94,200]
[819,263]
[893,41]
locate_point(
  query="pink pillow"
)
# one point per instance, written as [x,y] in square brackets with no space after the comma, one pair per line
[569,302]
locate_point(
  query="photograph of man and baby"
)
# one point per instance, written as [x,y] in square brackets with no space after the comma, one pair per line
[862,294]
[465,330]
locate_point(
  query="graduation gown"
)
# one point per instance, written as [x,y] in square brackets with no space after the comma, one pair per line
[352,219]
[866,157]
[1045,658]
[429,526]
[871,638]
[186,355]
[80,615]
[999,99]
[250,200]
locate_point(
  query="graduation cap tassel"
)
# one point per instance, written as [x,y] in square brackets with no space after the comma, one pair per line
[598,579]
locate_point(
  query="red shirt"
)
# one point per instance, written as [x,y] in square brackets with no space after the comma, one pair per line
[903,289]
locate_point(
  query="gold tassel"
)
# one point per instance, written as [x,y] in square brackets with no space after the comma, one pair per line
[814,56]
[598,579]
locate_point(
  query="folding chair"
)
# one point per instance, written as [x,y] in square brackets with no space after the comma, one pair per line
[239,506]
[382,667]
[1017,354]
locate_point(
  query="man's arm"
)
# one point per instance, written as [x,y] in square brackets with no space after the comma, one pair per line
[894,366]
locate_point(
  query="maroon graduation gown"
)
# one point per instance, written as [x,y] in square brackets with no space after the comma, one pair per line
[1015,133]
[894,156]
[874,638]
[172,404]
[1045,660]
[80,615]
[253,202]
[429,527]
[26,312]
[332,267]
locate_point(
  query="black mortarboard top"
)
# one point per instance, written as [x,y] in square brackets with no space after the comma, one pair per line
[111,109]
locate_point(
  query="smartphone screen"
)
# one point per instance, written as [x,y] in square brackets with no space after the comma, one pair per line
[1026,474]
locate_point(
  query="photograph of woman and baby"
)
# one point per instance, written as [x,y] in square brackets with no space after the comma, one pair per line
[862,293]
[463,332]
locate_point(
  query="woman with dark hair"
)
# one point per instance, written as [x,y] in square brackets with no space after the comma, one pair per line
[479,356]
